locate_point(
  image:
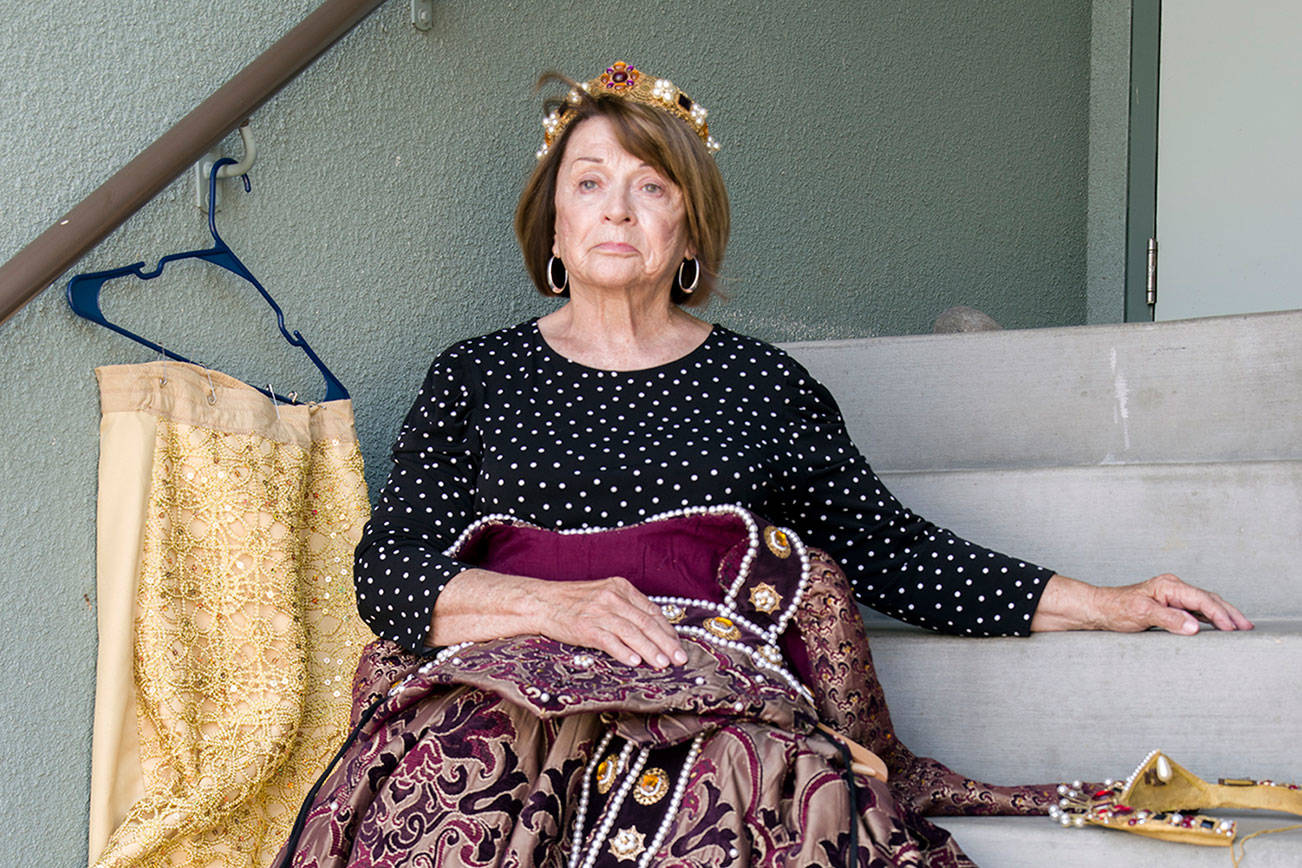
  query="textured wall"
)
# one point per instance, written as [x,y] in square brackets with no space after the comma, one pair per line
[886,160]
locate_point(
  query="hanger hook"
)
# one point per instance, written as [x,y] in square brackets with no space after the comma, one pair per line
[216,172]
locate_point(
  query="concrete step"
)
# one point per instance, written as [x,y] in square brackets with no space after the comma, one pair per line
[1032,842]
[1063,706]
[1231,527]
[1207,390]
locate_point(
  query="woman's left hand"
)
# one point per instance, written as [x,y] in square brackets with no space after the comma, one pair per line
[1163,601]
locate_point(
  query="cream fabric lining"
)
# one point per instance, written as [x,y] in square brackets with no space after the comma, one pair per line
[227,621]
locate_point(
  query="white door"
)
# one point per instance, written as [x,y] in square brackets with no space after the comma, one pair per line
[1229,158]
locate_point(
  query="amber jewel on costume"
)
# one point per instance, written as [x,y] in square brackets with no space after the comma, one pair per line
[606,772]
[777,541]
[652,786]
[723,627]
[628,82]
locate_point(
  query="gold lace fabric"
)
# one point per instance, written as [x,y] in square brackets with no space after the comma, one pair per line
[244,629]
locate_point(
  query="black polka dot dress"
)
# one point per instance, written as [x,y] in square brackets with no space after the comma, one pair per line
[504,424]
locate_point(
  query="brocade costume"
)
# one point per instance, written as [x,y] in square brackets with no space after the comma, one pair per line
[531,753]
[505,425]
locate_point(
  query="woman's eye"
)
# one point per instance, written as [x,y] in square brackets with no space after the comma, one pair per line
[587,184]
[652,187]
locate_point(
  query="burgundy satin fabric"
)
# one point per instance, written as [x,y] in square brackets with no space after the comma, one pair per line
[674,558]
[678,557]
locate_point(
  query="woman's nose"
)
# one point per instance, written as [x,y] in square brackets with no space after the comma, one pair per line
[617,207]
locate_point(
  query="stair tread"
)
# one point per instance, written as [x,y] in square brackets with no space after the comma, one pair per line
[1034,842]
[1086,705]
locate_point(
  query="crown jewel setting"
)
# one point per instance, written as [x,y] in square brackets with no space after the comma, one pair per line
[628,82]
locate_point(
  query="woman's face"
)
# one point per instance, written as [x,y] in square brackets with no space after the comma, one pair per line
[620,223]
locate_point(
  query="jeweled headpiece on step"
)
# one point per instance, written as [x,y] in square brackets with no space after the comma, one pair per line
[628,82]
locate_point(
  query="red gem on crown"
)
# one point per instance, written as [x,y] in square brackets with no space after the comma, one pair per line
[620,76]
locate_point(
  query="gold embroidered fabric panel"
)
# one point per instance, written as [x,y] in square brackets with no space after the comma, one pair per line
[246,629]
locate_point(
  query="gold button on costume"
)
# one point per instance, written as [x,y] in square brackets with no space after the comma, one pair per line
[627,844]
[765,598]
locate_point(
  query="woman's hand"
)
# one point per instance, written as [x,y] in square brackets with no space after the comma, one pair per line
[1163,601]
[607,614]
[612,615]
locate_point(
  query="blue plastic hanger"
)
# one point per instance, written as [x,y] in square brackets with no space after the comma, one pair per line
[84,289]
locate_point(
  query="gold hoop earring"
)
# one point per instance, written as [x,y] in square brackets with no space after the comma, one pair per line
[687,287]
[555,266]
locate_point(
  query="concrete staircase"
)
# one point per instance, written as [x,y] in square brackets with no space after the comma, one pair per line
[1108,453]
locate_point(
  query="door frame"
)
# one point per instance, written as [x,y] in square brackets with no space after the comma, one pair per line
[1141,154]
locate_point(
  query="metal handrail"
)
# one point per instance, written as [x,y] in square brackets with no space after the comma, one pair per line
[36,266]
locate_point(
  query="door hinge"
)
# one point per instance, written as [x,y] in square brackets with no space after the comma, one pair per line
[1150,283]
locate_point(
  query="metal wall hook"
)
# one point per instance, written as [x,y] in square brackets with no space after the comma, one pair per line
[208,198]
[250,156]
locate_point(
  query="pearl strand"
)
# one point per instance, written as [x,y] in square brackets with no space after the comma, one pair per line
[685,512]
[721,608]
[585,795]
[612,807]
[752,547]
[743,571]
[1135,774]
[445,654]
[755,656]
[672,810]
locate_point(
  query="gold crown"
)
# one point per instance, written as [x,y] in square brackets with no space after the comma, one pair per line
[628,82]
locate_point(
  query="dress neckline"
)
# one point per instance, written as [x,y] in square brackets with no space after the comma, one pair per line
[699,350]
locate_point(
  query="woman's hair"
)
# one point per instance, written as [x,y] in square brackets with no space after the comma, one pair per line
[664,142]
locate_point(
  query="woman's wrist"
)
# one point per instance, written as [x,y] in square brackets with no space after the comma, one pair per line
[1067,604]
[477,605]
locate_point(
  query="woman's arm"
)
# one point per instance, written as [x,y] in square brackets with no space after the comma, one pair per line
[399,567]
[897,562]
[906,567]
[1163,601]
[607,614]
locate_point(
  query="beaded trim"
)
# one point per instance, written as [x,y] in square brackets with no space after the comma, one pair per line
[585,794]
[743,571]
[1106,807]
[674,607]
[1078,807]
[628,82]
[671,811]
[611,812]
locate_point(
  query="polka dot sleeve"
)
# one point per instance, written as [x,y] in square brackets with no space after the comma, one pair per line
[897,562]
[427,501]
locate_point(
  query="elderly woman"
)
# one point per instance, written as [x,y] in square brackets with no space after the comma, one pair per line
[617,407]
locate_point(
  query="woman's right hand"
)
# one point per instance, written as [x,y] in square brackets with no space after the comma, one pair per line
[611,615]
[606,614]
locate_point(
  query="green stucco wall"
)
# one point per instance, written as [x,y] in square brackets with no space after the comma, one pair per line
[886,160]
